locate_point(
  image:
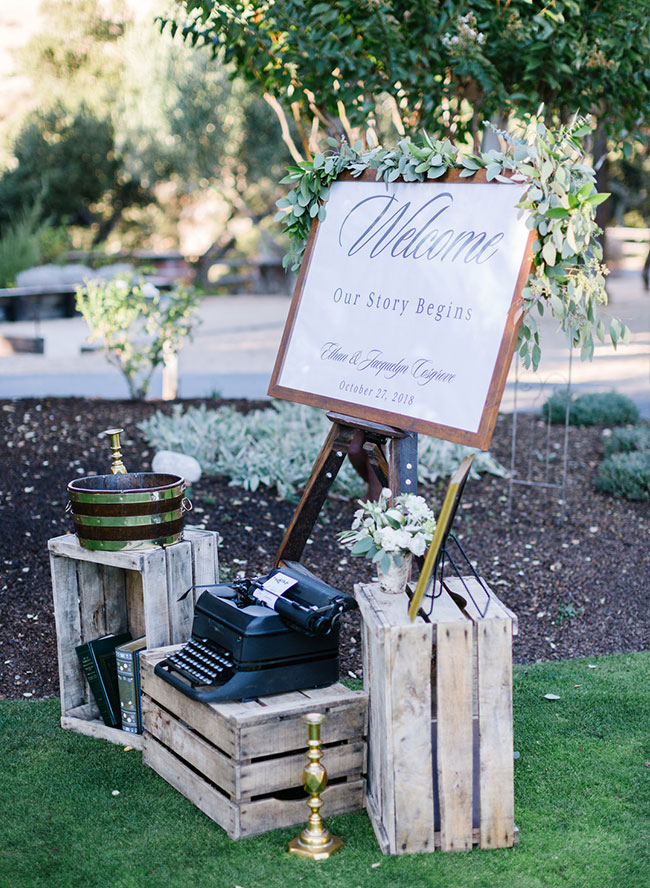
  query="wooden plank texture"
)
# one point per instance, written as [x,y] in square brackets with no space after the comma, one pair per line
[97,728]
[179,581]
[205,557]
[114,584]
[207,799]
[73,687]
[178,737]
[409,669]
[155,599]
[400,769]
[261,815]
[134,603]
[68,546]
[220,732]
[495,733]
[91,600]
[472,704]
[455,742]
[245,779]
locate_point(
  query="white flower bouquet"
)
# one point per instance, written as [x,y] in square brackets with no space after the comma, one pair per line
[386,535]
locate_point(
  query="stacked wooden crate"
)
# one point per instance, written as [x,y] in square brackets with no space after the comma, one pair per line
[440,746]
[139,590]
[241,763]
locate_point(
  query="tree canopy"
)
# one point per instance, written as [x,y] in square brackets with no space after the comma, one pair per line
[369,67]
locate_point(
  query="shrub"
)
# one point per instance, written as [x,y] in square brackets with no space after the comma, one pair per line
[139,326]
[628,440]
[626,475]
[596,408]
[278,447]
[20,244]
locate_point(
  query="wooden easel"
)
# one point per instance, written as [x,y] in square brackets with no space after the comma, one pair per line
[396,469]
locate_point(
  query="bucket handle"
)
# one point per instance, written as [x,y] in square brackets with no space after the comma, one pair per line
[68,508]
[186,505]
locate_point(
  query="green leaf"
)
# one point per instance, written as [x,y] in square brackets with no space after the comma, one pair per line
[558,307]
[585,191]
[362,546]
[549,253]
[557,213]
[597,199]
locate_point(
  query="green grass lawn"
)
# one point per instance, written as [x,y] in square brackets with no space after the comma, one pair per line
[582,805]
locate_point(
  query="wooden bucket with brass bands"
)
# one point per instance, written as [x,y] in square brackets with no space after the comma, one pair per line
[128,511]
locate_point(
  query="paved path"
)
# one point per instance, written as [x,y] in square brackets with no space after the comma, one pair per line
[234,350]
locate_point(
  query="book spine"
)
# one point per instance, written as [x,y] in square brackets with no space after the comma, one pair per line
[129,688]
[138,698]
[91,670]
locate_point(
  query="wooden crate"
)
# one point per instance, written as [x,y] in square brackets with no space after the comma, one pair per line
[440,748]
[241,763]
[96,593]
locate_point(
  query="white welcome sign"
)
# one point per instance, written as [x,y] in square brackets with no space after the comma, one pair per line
[406,310]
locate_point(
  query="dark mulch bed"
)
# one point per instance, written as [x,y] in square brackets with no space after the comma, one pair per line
[580,587]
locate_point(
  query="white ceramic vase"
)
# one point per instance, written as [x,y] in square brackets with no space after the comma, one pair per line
[394,580]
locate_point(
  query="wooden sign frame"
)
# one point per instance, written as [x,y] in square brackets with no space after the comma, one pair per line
[479,436]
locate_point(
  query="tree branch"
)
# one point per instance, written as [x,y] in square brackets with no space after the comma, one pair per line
[284,127]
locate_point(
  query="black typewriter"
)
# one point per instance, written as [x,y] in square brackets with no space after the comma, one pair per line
[253,637]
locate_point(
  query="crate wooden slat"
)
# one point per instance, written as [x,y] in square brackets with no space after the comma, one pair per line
[241,763]
[447,781]
[97,592]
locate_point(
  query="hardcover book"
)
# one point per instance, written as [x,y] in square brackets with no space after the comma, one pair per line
[97,658]
[127,657]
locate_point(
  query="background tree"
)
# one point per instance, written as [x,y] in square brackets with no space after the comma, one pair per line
[131,133]
[358,67]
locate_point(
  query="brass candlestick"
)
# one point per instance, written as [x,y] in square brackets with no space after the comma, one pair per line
[117,466]
[314,841]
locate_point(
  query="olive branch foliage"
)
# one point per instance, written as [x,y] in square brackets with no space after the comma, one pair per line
[559,201]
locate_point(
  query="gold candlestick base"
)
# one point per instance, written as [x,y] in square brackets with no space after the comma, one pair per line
[315,840]
[319,850]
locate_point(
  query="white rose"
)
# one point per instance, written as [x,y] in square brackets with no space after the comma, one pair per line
[149,290]
[386,539]
[403,539]
[417,545]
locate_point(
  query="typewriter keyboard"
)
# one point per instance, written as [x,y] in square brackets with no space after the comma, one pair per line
[202,663]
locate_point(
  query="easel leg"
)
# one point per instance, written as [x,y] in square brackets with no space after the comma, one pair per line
[325,470]
[398,471]
[403,464]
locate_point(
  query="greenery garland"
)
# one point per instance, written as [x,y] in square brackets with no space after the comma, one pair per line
[568,275]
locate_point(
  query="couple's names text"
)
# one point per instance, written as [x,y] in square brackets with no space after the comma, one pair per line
[422,370]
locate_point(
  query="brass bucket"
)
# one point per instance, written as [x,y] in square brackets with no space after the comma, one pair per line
[128,511]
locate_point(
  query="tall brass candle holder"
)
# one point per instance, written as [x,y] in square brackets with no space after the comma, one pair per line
[315,840]
[117,466]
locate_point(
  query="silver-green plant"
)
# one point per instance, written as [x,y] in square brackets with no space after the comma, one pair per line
[278,447]
[139,326]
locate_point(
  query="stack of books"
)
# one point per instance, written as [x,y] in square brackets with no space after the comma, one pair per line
[111,666]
